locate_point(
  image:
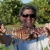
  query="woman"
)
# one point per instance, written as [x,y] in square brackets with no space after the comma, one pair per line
[28,16]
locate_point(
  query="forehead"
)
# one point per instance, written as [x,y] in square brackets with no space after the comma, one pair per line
[28,11]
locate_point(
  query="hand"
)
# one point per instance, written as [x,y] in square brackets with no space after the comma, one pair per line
[2,29]
[47,26]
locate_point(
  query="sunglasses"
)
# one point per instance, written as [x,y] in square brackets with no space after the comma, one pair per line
[31,15]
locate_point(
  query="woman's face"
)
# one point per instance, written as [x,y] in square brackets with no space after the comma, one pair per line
[28,18]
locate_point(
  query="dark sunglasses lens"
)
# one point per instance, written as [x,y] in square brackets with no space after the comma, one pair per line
[32,15]
[24,15]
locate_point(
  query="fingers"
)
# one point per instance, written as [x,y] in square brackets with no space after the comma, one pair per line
[47,25]
[3,29]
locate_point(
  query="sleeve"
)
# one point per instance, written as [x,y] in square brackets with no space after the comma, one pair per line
[14,41]
[8,45]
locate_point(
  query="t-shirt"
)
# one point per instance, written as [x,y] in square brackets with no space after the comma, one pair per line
[44,42]
[40,44]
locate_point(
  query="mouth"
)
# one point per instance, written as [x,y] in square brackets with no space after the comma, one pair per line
[28,23]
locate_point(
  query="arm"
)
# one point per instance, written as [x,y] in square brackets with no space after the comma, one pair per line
[3,37]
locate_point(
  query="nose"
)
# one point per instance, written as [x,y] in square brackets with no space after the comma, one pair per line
[28,18]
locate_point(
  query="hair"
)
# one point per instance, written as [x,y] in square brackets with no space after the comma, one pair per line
[27,7]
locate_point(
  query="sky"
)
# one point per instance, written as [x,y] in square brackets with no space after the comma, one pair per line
[26,1]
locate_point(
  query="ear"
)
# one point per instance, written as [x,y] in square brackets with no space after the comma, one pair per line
[21,18]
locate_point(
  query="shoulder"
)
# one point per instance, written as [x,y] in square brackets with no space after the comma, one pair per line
[42,37]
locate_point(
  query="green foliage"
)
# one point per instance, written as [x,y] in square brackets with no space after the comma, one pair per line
[46,48]
[43,10]
[2,47]
[9,10]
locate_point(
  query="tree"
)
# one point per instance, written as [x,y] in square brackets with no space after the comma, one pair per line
[43,7]
[9,11]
